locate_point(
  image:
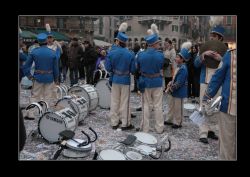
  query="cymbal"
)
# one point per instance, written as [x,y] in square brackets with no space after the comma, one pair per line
[216,46]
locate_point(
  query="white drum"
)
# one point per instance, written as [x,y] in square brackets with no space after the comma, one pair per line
[145,138]
[131,155]
[104,91]
[111,154]
[74,145]
[78,105]
[88,92]
[52,123]
[188,109]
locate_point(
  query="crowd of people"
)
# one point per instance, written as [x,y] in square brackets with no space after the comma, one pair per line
[157,70]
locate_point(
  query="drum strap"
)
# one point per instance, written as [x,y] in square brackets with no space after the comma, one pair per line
[120,73]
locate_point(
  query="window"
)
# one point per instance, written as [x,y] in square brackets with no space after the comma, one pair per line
[229,20]
[175,28]
[101,25]
[129,28]
[60,23]
[161,27]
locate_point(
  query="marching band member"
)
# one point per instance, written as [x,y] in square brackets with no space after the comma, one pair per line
[149,64]
[178,87]
[217,33]
[119,62]
[45,74]
[225,76]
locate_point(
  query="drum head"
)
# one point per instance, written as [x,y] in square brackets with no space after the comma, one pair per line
[146,150]
[131,155]
[51,124]
[110,154]
[59,92]
[146,138]
[73,145]
[104,92]
[189,107]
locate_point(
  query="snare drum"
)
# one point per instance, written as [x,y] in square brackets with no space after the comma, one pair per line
[52,123]
[110,154]
[131,155]
[188,109]
[104,91]
[78,105]
[146,138]
[88,92]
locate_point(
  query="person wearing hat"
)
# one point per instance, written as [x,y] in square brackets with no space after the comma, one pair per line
[149,64]
[177,88]
[45,75]
[225,77]
[205,131]
[120,62]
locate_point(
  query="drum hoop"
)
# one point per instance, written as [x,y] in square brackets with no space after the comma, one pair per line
[77,148]
[39,131]
[61,94]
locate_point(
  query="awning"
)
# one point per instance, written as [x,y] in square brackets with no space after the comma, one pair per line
[57,35]
[28,35]
[101,43]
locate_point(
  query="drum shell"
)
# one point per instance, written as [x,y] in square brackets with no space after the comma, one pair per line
[80,104]
[88,92]
[101,154]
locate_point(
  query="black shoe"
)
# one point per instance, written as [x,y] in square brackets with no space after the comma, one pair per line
[212,135]
[134,91]
[167,123]
[176,126]
[133,116]
[139,109]
[29,118]
[204,140]
[120,122]
[130,127]
[115,127]
[137,129]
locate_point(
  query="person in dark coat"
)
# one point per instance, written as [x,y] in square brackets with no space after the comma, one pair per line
[74,56]
[89,59]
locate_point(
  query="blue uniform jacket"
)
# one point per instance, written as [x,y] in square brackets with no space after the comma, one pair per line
[198,64]
[120,62]
[150,62]
[225,78]
[180,82]
[45,60]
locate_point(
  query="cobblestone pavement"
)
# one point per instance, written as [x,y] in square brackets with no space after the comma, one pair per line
[185,141]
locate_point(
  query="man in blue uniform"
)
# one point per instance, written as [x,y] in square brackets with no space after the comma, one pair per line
[178,87]
[225,76]
[45,74]
[150,64]
[120,62]
[217,33]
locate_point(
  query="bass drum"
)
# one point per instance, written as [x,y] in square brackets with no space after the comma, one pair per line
[52,123]
[88,92]
[104,91]
[78,105]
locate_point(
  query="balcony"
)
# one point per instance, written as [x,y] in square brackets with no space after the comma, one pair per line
[150,20]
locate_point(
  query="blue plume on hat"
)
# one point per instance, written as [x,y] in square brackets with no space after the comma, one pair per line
[185,50]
